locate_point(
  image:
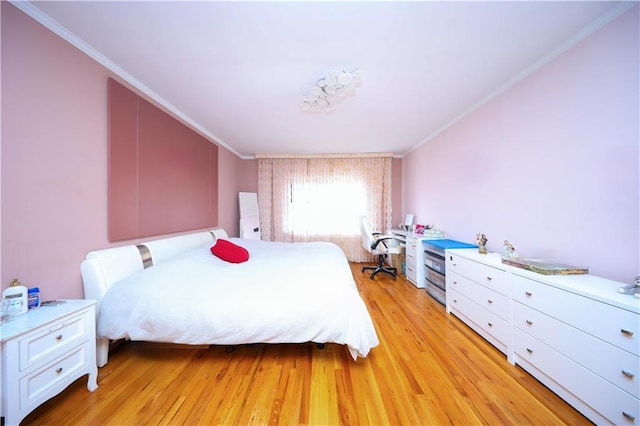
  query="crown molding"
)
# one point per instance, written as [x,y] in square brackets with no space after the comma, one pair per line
[31,10]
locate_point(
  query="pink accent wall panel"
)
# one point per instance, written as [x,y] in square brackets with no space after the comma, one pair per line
[55,157]
[163,176]
[123,162]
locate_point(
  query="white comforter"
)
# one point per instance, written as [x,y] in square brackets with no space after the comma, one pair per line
[285,293]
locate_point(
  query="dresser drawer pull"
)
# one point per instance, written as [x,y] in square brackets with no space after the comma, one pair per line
[529,322]
[59,337]
[530,350]
[489,278]
[455,300]
[490,301]
[490,324]
[626,332]
[629,374]
[528,293]
[58,370]
[629,416]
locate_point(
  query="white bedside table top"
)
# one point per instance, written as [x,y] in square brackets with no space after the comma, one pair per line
[40,316]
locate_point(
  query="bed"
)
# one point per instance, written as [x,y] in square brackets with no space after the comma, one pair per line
[175,290]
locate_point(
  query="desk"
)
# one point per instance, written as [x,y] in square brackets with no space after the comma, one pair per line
[414,259]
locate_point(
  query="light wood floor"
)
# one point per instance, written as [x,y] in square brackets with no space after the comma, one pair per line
[428,369]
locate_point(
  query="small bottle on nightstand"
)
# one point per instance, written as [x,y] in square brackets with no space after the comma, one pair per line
[15,298]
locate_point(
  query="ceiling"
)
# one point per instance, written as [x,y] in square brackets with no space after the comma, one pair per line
[237,71]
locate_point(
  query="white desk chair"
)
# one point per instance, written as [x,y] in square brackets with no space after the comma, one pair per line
[378,245]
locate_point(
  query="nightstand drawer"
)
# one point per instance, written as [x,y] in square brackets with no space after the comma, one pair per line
[37,387]
[52,341]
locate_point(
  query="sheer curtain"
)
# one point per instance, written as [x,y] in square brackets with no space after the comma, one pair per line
[321,199]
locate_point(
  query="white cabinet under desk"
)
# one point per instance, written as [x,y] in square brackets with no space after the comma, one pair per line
[574,333]
[414,257]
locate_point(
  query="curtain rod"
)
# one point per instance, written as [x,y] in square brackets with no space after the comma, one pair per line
[365,155]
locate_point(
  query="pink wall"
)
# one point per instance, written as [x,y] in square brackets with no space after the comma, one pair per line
[54,159]
[551,164]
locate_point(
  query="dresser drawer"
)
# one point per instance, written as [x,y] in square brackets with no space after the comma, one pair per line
[487,298]
[486,320]
[546,364]
[612,363]
[38,386]
[52,341]
[609,323]
[494,278]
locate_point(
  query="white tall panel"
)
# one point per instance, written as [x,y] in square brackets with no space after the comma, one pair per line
[249,219]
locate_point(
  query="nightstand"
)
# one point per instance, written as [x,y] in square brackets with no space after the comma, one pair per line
[43,352]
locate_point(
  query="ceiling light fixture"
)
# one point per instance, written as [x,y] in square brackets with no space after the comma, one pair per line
[331,90]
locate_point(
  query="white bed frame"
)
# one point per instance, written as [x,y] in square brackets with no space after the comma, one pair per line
[103,268]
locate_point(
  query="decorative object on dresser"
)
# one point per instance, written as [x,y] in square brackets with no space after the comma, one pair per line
[508,251]
[574,333]
[633,289]
[43,352]
[481,242]
[545,267]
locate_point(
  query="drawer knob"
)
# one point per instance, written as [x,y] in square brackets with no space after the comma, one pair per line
[629,374]
[490,301]
[455,300]
[489,278]
[59,337]
[629,416]
[529,322]
[626,332]
[530,350]
[528,293]
[58,370]
[490,324]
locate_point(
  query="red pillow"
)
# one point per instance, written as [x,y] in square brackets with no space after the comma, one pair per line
[230,252]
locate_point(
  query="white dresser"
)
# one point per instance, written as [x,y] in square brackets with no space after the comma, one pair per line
[478,292]
[43,352]
[574,333]
[580,342]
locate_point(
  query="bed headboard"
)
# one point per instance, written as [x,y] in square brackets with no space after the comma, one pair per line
[103,268]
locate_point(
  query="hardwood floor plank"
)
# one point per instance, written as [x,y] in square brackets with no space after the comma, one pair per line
[430,368]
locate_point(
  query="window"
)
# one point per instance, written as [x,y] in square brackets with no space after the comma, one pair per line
[321,199]
[326,208]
